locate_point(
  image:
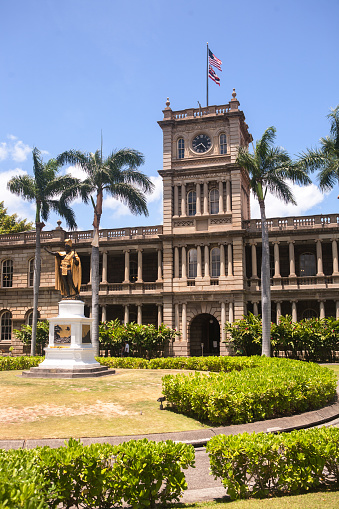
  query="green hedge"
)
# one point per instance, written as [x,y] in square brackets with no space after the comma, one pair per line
[191,363]
[272,388]
[22,362]
[259,465]
[140,473]
[314,339]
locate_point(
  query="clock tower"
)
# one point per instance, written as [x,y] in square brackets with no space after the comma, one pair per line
[206,199]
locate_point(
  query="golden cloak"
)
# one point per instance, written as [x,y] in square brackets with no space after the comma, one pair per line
[67,260]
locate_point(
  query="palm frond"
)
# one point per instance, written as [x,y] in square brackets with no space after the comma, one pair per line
[133,198]
[22,185]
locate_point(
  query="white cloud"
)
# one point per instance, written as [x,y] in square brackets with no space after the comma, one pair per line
[157,193]
[15,204]
[3,151]
[119,208]
[306,198]
[76,172]
[20,151]
[12,137]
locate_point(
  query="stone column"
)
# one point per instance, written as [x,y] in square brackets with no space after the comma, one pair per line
[335,257]
[103,313]
[139,315]
[221,197]
[292,259]
[337,309]
[183,263]
[176,201]
[104,267]
[255,308]
[322,309]
[176,317]
[207,262]
[159,315]
[319,259]
[276,260]
[127,266]
[228,197]
[126,314]
[294,311]
[159,265]
[229,260]
[222,260]
[254,260]
[184,322]
[139,265]
[199,261]
[223,321]
[183,199]
[230,312]
[205,198]
[176,262]
[198,202]
[278,312]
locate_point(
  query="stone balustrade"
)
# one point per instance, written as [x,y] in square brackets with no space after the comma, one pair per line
[294,223]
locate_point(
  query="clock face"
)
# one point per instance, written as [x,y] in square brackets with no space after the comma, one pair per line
[201,143]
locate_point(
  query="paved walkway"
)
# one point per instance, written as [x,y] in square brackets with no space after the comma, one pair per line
[201,485]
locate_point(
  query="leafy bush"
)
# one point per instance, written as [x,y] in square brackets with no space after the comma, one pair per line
[139,472]
[42,334]
[144,340]
[21,362]
[313,339]
[261,464]
[271,388]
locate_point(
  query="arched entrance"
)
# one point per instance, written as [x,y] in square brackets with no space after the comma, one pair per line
[204,330]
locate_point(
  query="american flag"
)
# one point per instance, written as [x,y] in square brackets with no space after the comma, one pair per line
[213,60]
[213,76]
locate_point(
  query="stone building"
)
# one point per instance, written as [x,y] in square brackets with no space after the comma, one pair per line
[200,268]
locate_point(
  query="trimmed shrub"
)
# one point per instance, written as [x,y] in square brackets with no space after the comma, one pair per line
[261,465]
[271,388]
[22,362]
[42,334]
[140,472]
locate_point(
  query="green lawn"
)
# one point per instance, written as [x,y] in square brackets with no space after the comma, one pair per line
[320,500]
[120,404]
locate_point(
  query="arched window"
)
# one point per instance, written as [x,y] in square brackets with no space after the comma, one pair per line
[215,262]
[30,272]
[29,317]
[6,326]
[181,148]
[7,274]
[309,313]
[214,201]
[133,271]
[192,203]
[223,144]
[192,263]
[307,265]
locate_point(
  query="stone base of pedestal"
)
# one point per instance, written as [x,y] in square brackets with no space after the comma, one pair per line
[76,372]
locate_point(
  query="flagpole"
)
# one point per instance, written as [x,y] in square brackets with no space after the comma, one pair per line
[207,78]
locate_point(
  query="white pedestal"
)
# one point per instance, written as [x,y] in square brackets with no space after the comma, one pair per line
[70,344]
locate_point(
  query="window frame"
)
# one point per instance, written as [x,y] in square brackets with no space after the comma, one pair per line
[222,144]
[192,264]
[215,202]
[7,326]
[31,272]
[181,148]
[191,204]
[8,274]
[213,265]
[305,268]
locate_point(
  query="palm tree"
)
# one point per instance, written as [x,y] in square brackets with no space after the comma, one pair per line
[44,189]
[325,159]
[117,176]
[268,168]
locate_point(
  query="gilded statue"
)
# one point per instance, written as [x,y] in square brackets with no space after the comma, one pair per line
[67,271]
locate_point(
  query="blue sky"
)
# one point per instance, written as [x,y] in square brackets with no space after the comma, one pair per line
[70,68]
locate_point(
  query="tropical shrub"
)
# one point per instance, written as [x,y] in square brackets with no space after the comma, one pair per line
[271,388]
[313,339]
[261,465]
[139,473]
[145,341]
[42,334]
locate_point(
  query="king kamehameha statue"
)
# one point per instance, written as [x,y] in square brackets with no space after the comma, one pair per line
[67,271]
[69,353]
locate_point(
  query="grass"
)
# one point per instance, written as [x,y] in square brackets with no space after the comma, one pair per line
[121,404]
[320,500]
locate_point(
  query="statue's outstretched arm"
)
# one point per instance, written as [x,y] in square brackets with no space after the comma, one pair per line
[50,252]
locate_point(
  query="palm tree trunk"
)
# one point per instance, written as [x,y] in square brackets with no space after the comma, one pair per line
[36,284]
[95,297]
[265,285]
